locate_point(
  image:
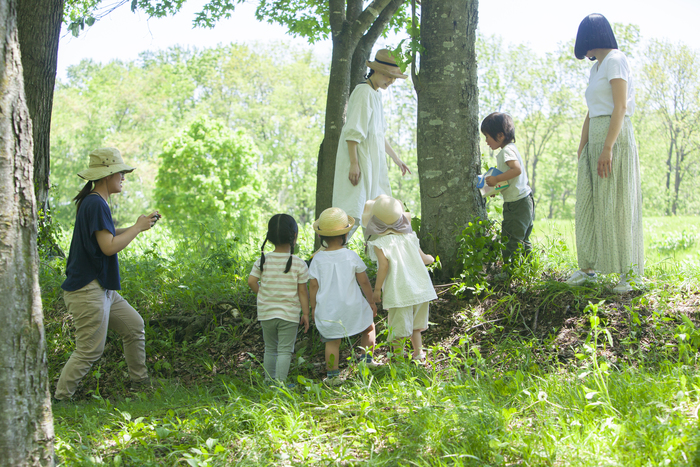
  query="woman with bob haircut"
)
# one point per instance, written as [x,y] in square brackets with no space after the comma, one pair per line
[608,190]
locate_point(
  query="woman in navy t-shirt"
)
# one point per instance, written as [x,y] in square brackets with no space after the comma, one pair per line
[92,270]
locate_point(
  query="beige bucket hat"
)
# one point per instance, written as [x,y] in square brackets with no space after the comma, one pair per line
[333,222]
[104,162]
[387,209]
[385,63]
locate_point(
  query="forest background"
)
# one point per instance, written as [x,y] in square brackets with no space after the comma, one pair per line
[258,112]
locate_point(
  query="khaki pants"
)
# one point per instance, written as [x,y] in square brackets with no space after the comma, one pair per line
[94,311]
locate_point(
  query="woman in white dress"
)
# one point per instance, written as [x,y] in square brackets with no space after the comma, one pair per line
[361,172]
[608,191]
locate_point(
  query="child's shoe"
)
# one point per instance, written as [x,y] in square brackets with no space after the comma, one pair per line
[419,359]
[369,361]
[333,378]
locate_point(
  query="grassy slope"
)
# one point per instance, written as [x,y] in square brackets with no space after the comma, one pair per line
[531,373]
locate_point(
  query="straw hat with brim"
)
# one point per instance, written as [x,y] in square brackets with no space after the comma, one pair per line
[103,163]
[385,63]
[386,209]
[333,222]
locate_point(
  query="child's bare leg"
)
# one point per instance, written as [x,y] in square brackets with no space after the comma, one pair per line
[368,339]
[332,354]
[417,343]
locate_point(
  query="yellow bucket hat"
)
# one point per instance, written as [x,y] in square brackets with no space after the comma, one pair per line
[333,222]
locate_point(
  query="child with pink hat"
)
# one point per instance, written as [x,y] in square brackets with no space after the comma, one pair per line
[401,272]
[337,306]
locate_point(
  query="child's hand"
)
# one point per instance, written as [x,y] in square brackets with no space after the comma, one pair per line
[374,309]
[491,180]
[305,322]
[377,296]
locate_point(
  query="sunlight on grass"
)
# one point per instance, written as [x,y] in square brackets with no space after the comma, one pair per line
[532,372]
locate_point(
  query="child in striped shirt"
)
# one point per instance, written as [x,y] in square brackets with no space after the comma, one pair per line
[279,280]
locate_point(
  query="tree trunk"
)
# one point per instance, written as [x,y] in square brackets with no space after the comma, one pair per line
[39,27]
[25,408]
[359,27]
[336,103]
[448,132]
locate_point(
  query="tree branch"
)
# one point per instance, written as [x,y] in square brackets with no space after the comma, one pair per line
[382,20]
[336,15]
[368,17]
[354,9]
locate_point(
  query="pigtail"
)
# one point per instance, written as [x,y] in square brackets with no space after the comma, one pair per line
[281,229]
[291,252]
[262,255]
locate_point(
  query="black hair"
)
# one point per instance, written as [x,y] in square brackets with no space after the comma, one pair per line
[325,238]
[497,123]
[87,189]
[594,32]
[369,74]
[281,230]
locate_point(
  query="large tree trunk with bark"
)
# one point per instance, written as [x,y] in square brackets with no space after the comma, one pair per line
[25,408]
[354,32]
[448,132]
[39,26]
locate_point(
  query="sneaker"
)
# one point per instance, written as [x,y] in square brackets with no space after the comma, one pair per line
[333,381]
[623,286]
[369,361]
[147,384]
[580,278]
[419,359]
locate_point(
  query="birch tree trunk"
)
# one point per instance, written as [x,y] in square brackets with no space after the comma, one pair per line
[25,410]
[448,131]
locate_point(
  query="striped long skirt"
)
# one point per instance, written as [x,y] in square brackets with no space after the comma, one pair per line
[609,235]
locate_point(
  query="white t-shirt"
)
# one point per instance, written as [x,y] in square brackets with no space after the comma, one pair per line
[408,282]
[599,91]
[341,309]
[278,296]
[519,186]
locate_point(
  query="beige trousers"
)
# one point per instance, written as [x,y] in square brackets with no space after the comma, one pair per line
[94,311]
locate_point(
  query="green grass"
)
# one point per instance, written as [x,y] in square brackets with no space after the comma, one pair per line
[659,232]
[399,415]
[604,380]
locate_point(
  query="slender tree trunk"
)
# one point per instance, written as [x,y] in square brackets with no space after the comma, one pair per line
[448,134]
[25,409]
[669,170]
[336,104]
[39,27]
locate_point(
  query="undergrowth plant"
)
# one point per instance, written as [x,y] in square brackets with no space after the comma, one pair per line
[480,247]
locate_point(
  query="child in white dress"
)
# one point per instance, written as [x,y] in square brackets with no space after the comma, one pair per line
[337,305]
[279,280]
[401,272]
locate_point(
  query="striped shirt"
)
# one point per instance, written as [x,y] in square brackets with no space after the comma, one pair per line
[278,296]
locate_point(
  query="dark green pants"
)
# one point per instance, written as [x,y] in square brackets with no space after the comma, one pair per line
[517,224]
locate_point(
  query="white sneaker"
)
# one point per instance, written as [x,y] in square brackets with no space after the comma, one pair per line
[622,287]
[580,278]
